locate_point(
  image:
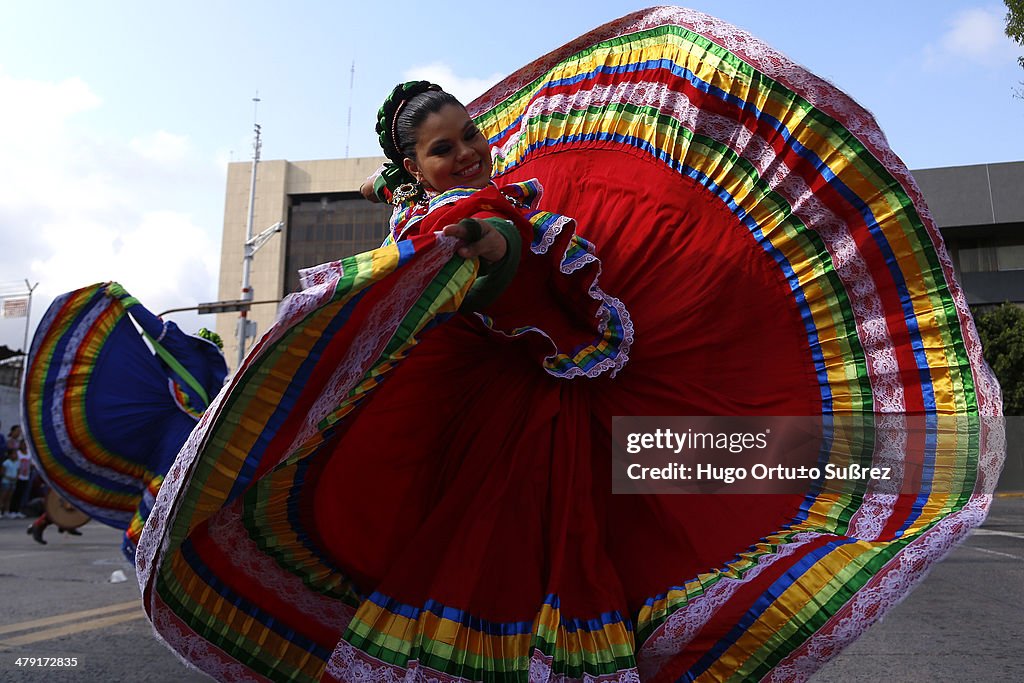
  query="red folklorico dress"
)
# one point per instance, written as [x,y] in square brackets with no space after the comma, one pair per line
[391,489]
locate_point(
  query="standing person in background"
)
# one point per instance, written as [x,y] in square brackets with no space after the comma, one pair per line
[16,445]
[8,480]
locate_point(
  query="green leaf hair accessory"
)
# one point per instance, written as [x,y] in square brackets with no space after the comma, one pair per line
[395,174]
[211,336]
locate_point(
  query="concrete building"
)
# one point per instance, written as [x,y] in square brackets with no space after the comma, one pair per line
[325,219]
[979,209]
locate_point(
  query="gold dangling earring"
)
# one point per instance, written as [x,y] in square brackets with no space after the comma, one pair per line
[406,192]
[424,188]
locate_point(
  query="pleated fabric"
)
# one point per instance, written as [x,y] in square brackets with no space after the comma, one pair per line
[106,411]
[392,490]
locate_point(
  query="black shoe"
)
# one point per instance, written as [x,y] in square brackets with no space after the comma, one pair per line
[72,532]
[37,533]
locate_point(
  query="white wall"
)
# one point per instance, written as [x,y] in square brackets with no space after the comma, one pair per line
[10,408]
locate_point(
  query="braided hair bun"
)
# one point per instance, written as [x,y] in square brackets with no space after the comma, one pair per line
[387,114]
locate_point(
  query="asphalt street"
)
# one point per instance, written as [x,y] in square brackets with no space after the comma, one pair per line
[965,622]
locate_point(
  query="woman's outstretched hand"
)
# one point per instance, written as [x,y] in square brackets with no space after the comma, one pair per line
[483,240]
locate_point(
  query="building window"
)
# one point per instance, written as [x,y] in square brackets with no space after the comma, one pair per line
[991,258]
[324,228]
[978,260]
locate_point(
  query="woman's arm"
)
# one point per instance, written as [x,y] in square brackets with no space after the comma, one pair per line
[367,190]
[485,241]
[498,245]
[375,189]
[150,324]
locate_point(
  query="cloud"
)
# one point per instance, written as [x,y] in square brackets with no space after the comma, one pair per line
[162,147]
[40,107]
[975,36]
[79,205]
[465,89]
[160,259]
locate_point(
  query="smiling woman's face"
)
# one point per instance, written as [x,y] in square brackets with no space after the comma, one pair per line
[450,151]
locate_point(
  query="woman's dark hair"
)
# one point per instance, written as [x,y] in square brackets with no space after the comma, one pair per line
[408,105]
[414,113]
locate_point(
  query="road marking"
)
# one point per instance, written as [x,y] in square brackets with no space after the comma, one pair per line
[50,634]
[995,552]
[996,532]
[70,616]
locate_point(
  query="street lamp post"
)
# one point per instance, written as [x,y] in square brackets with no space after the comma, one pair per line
[247,328]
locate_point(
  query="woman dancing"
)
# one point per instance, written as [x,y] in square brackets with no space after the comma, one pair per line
[441,148]
[411,476]
[108,408]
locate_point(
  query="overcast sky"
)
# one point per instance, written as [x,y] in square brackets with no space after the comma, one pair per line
[117,119]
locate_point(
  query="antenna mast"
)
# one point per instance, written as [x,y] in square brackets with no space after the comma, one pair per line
[351,88]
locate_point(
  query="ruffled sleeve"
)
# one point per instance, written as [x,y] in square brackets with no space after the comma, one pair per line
[554,297]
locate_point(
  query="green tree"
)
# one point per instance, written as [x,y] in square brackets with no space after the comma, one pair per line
[1015,30]
[1015,23]
[1002,337]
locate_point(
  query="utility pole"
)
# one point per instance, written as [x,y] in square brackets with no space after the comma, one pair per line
[243,317]
[247,328]
[28,318]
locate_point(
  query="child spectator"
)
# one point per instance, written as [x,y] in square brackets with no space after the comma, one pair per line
[8,481]
[16,445]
